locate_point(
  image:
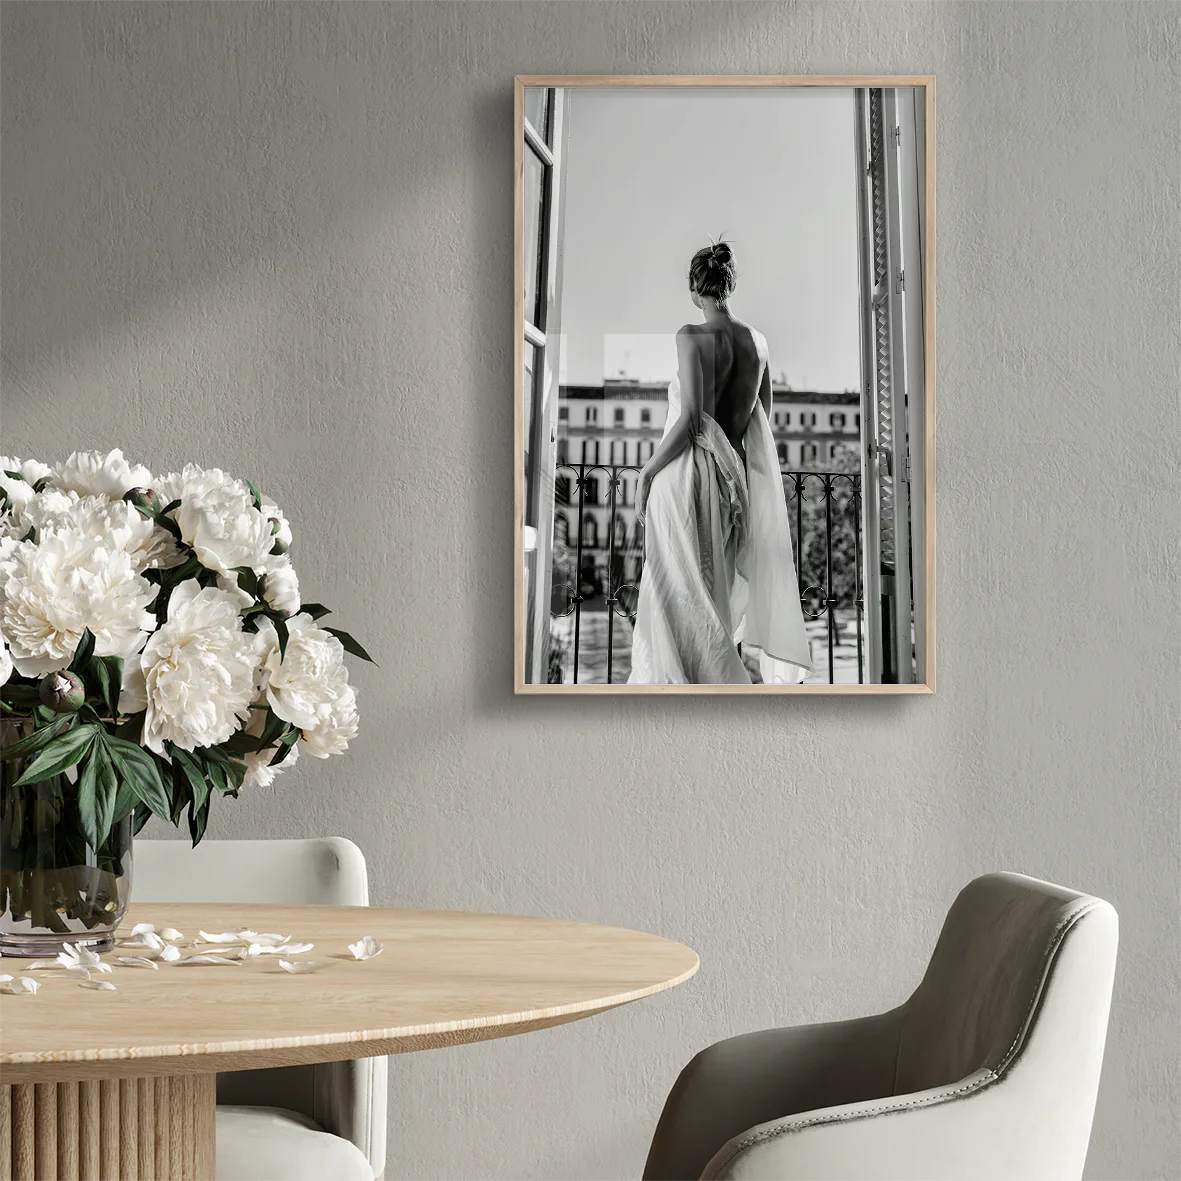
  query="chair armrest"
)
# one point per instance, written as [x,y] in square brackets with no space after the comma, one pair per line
[978,1129]
[760,1077]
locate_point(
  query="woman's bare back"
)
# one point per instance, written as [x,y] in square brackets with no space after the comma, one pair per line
[733,358]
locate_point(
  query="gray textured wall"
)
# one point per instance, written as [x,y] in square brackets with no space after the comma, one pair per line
[278,239]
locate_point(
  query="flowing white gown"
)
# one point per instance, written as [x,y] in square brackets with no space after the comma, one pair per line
[718,565]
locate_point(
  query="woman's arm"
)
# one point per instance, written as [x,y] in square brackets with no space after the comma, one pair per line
[689,423]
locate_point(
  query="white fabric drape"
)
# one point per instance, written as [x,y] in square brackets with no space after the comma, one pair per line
[718,565]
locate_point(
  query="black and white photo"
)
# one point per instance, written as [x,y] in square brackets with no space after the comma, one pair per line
[724,349]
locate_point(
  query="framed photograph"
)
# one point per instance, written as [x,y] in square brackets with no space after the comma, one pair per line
[725,406]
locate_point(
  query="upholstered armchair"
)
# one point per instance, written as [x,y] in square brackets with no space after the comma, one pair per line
[990,1069]
[294,1123]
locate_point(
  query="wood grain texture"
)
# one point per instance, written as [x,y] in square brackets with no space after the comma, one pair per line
[443,979]
[108,1130]
[925,677]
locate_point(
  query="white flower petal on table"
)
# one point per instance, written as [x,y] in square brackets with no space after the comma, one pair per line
[169,955]
[148,939]
[301,966]
[97,985]
[265,939]
[20,984]
[37,965]
[281,949]
[142,929]
[366,948]
[138,961]
[224,960]
[171,935]
[219,937]
[5,979]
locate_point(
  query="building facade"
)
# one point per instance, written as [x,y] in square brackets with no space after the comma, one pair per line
[606,433]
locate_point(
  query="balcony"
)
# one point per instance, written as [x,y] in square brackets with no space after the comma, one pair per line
[598,566]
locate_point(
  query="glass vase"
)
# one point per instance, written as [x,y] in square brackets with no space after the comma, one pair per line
[56,889]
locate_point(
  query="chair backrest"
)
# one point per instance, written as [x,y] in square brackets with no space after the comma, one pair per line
[329,871]
[978,1001]
[348,1098]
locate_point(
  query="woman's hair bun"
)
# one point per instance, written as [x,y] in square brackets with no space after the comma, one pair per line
[712,272]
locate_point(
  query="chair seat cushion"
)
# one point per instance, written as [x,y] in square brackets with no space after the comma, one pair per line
[270,1144]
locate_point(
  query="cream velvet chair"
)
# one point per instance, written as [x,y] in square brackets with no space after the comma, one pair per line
[988,1071]
[293,1123]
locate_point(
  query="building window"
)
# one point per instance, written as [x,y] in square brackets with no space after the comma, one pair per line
[592,414]
[561,529]
[590,532]
[563,452]
[837,421]
[562,490]
[563,413]
[777,418]
[808,452]
[807,419]
[591,490]
[645,417]
[782,450]
[857,419]
[619,416]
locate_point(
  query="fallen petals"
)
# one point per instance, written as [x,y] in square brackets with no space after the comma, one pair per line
[366,948]
[224,960]
[138,961]
[301,966]
[19,985]
[97,985]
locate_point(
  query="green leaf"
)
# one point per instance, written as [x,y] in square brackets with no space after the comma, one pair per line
[83,652]
[217,776]
[43,714]
[141,817]
[198,819]
[108,675]
[106,793]
[248,581]
[170,507]
[285,748]
[315,610]
[281,631]
[191,769]
[88,802]
[35,741]
[254,493]
[60,755]
[350,645]
[275,726]
[137,766]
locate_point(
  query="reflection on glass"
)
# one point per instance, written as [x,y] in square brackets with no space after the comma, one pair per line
[534,186]
[536,102]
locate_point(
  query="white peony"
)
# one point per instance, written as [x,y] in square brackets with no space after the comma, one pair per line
[280,526]
[196,674]
[280,588]
[303,685]
[19,488]
[331,735]
[5,662]
[113,522]
[53,591]
[218,519]
[90,473]
[259,772]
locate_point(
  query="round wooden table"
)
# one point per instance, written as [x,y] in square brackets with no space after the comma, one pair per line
[122,1084]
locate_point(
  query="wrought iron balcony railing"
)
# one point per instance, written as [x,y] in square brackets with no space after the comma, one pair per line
[598,566]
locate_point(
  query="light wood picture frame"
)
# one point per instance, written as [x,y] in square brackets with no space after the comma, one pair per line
[886,488]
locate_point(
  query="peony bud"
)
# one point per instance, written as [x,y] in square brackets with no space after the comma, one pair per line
[62,692]
[144,499]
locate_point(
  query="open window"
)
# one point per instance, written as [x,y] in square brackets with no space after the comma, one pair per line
[891,137]
[542,186]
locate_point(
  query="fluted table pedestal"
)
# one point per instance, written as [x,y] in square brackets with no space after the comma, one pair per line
[116,1129]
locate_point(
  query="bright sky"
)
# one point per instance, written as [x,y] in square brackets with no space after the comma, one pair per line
[652,175]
